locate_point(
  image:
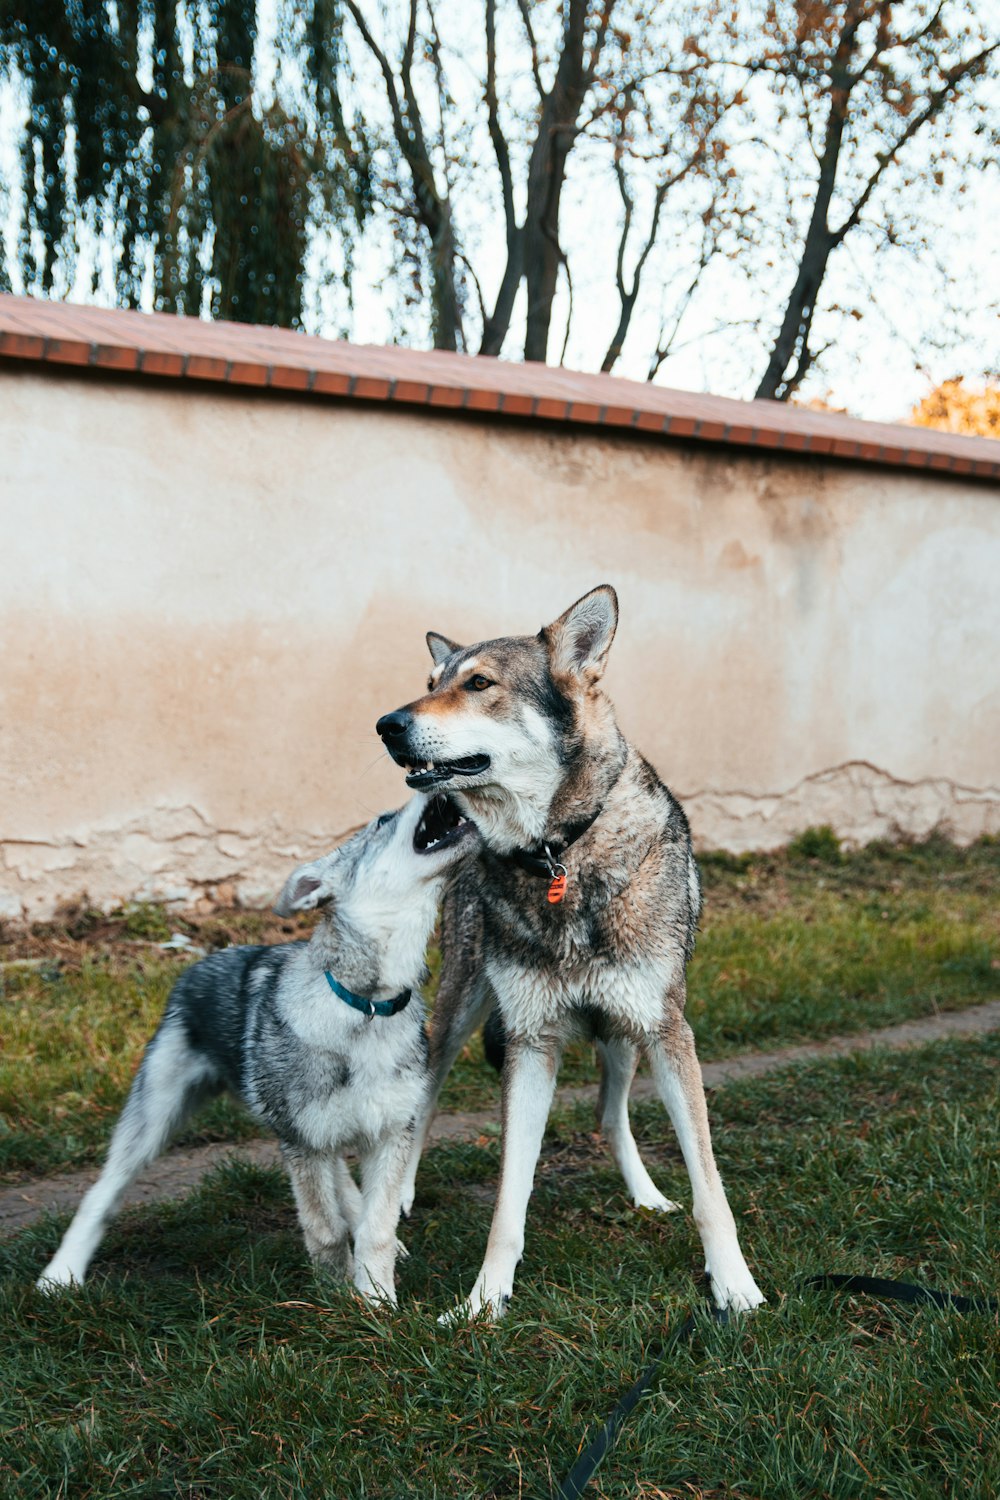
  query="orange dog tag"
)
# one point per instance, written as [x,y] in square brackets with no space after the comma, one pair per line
[557,889]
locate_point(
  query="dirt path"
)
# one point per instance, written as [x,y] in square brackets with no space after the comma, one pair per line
[175,1173]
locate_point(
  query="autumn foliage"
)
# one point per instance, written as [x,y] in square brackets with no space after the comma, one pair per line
[955,407]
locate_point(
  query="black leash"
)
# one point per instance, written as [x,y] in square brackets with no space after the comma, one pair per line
[902,1291]
[585,1467]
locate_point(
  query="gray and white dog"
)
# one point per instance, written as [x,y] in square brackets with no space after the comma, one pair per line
[320,1039]
[520,734]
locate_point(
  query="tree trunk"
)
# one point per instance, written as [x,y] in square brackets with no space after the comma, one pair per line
[542,253]
[497,325]
[793,336]
[447,312]
[557,130]
[618,338]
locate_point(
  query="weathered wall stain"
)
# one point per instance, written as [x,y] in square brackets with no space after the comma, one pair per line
[207,598]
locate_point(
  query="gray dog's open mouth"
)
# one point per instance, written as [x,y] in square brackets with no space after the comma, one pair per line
[440,825]
[422,775]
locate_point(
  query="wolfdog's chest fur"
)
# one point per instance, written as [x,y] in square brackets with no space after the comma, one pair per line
[624,930]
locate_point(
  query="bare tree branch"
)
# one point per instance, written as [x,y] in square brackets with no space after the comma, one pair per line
[954,77]
[433,207]
[629,296]
[793,335]
[666,347]
[569,310]
[442,95]
[500,147]
[590,68]
[617,90]
[495,326]
[792,340]
[524,6]
[556,132]
[384,67]
[466,262]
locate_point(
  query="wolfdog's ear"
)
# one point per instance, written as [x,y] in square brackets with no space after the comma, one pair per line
[579,641]
[310,886]
[439,646]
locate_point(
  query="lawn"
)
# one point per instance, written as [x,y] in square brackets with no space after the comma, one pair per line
[793,946]
[205,1359]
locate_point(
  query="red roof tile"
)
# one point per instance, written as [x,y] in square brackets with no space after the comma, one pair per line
[239,354]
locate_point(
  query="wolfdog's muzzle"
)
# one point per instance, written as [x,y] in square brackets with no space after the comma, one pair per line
[395,730]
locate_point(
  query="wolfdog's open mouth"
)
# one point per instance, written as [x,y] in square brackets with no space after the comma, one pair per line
[422,775]
[440,824]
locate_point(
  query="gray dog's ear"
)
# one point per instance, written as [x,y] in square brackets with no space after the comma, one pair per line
[439,646]
[579,641]
[310,886]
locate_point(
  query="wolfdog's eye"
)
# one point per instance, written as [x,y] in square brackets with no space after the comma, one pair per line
[478,683]
[430,684]
[384,818]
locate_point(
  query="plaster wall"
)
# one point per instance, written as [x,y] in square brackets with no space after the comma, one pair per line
[207,598]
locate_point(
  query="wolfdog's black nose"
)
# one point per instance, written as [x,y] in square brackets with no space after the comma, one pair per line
[392,726]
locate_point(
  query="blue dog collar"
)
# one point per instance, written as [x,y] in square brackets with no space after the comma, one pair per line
[369,1008]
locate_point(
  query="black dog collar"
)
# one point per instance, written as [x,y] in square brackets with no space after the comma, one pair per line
[546,859]
[370,1008]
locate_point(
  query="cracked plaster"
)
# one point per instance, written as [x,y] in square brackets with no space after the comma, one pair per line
[173,856]
[858,800]
[176,857]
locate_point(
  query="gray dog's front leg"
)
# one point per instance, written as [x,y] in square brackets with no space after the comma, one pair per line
[321,1214]
[375,1243]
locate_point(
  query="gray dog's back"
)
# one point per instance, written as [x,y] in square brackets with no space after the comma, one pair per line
[216,999]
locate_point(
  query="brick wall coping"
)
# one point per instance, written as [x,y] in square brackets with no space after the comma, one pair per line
[238,354]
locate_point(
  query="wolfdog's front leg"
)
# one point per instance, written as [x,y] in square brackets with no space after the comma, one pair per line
[529,1080]
[679,1083]
[618,1060]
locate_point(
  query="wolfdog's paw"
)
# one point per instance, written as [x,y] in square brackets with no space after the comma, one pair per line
[737,1292]
[476,1309]
[376,1284]
[55,1279]
[655,1202]
[377,1298]
[745,1300]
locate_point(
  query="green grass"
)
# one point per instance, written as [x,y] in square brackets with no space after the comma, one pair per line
[71,1046]
[204,1358]
[794,946]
